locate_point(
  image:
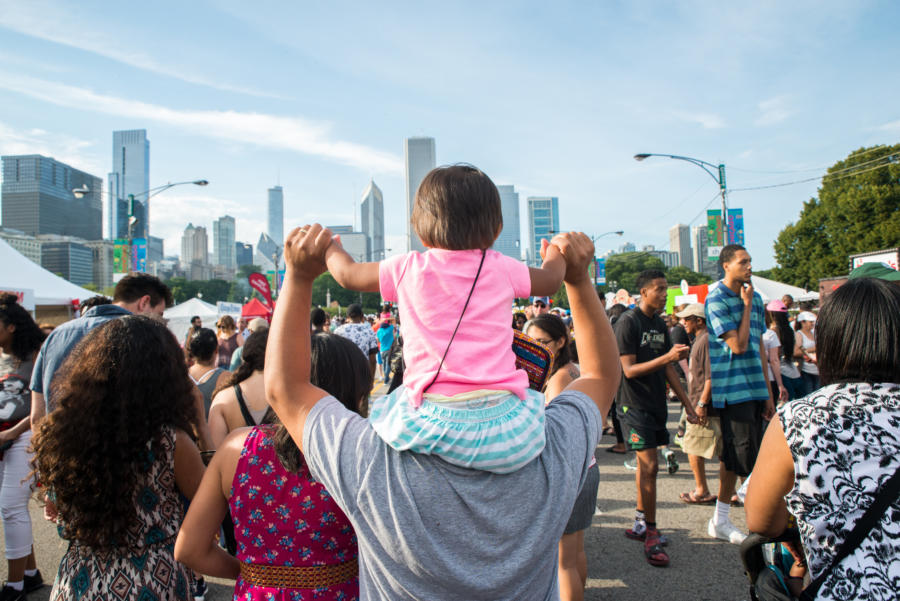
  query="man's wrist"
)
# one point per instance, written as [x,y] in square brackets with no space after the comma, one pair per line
[702,404]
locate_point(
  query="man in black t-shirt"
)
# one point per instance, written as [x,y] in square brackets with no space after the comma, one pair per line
[647,356]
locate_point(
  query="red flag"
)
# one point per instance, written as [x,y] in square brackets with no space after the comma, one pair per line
[260,283]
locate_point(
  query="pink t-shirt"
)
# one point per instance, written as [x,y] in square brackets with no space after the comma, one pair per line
[431,289]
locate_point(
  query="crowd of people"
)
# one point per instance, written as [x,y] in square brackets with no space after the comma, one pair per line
[255,453]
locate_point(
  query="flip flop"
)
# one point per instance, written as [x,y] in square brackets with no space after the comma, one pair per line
[654,552]
[615,450]
[691,498]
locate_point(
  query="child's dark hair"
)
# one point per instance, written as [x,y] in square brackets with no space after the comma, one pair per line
[457,208]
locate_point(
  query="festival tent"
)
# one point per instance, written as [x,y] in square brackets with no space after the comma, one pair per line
[256,309]
[179,316]
[19,273]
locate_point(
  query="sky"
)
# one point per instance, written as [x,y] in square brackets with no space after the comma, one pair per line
[553,98]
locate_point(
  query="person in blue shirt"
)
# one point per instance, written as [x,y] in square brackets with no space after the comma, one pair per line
[385,335]
[735,317]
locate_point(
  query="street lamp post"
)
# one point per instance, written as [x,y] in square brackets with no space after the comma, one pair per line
[132,220]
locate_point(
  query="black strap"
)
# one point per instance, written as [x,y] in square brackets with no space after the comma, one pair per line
[248,419]
[475,281]
[869,520]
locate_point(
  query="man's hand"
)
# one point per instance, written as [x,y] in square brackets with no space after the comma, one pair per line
[578,250]
[769,411]
[691,415]
[50,511]
[702,414]
[747,294]
[678,352]
[304,251]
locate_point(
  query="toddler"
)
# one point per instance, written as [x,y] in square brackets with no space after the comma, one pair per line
[462,397]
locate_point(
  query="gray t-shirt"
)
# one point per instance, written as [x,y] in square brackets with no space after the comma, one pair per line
[431,530]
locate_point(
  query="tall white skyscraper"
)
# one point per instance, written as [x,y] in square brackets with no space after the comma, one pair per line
[680,242]
[276,215]
[509,240]
[223,242]
[543,222]
[130,175]
[194,246]
[420,159]
[372,221]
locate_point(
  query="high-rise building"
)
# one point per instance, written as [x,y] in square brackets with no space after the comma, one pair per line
[680,242]
[668,258]
[223,242]
[155,249]
[243,253]
[102,251]
[130,175]
[508,242]
[194,246]
[68,257]
[268,253]
[372,221]
[702,263]
[628,247]
[276,215]
[37,198]
[357,245]
[29,246]
[543,222]
[420,159]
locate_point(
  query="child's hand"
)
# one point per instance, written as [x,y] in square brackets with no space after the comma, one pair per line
[545,246]
[304,251]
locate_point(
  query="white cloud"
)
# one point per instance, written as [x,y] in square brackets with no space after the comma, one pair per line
[49,21]
[706,120]
[893,126]
[774,110]
[270,131]
[72,151]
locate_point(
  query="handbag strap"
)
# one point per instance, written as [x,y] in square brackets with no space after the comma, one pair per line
[872,516]
[248,418]
[475,281]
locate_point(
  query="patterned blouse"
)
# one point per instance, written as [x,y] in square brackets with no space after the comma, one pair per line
[845,441]
[286,519]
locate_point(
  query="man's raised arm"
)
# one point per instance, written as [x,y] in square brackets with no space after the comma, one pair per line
[288,389]
[597,350]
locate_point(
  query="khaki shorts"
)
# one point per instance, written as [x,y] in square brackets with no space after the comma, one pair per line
[704,441]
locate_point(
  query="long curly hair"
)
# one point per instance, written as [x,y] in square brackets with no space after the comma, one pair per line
[28,337]
[122,385]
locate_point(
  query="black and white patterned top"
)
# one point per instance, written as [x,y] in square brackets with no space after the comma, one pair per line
[845,441]
[361,334]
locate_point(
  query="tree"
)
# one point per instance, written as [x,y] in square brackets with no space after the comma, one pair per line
[622,270]
[680,272]
[852,214]
[326,283]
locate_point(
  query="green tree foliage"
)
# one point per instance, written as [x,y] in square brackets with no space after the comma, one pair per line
[371,301]
[622,270]
[852,214]
[213,291]
[675,274]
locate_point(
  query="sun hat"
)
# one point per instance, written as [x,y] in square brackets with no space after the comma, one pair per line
[806,316]
[776,306]
[692,310]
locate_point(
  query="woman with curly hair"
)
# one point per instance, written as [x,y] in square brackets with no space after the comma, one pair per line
[287,527]
[20,340]
[116,456]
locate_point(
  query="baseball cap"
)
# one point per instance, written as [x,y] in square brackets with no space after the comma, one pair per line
[776,306]
[806,316]
[692,310]
[882,271]
[257,324]
[541,299]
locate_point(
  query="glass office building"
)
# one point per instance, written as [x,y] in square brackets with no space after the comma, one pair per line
[509,241]
[543,222]
[130,175]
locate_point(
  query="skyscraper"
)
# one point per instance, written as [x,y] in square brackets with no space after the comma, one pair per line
[372,220]
[508,242]
[223,242]
[680,242]
[130,175]
[194,246]
[702,263]
[243,253]
[276,215]
[543,222]
[38,199]
[69,257]
[420,159]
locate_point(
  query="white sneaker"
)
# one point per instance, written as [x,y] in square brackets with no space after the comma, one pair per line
[726,531]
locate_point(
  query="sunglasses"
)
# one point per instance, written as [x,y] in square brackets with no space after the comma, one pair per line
[540,305]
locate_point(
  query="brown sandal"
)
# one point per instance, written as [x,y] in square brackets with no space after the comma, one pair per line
[691,498]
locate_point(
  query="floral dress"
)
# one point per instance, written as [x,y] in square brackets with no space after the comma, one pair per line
[149,572]
[286,519]
[845,441]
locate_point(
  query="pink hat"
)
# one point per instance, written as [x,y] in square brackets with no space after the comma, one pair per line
[776,306]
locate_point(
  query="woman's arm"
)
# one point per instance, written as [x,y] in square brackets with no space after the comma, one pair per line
[772,479]
[196,545]
[218,425]
[775,365]
[360,277]
[188,465]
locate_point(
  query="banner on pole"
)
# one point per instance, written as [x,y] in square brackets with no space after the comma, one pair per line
[260,283]
[601,271]
[121,256]
[139,254]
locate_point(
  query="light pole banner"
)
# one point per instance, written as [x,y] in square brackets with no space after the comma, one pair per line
[139,254]
[601,271]
[736,226]
[121,256]
[714,233]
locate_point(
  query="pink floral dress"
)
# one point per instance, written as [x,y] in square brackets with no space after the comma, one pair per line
[286,519]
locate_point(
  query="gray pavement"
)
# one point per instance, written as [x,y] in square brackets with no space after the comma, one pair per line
[700,569]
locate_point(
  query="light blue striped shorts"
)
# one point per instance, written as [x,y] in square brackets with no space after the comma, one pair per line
[497,433]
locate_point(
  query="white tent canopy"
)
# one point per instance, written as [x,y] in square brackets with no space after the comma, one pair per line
[772,290]
[179,316]
[18,272]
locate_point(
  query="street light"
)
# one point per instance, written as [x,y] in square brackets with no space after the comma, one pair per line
[132,220]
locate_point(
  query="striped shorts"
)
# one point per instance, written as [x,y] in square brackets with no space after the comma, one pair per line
[497,433]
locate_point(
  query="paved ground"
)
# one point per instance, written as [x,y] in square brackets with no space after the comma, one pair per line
[701,568]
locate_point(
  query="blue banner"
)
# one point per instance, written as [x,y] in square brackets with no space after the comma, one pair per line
[601,271]
[139,254]
[736,226]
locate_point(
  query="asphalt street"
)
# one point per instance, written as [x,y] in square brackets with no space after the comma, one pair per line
[701,568]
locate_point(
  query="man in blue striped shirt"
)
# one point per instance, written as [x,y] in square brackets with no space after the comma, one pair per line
[735,317]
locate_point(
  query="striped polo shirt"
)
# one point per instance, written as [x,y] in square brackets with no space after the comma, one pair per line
[735,378]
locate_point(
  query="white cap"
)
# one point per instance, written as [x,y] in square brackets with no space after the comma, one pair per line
[806,316]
